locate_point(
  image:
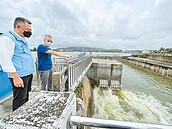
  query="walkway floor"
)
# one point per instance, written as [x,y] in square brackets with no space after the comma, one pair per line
[6,106]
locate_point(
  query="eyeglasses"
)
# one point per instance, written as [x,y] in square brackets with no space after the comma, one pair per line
[50,41]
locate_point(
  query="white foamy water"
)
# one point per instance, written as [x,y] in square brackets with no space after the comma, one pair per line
[130,106]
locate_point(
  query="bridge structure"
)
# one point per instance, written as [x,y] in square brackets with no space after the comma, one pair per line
[57,109]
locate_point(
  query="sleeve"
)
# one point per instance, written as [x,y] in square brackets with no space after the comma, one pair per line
[6,53]
[42,49]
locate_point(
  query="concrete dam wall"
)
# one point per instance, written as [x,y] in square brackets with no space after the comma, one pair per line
[161,58]
[160,68]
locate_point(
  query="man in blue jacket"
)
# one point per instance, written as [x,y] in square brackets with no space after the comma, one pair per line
[16,59]
[45,64]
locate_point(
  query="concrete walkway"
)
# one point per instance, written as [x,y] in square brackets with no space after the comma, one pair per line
[6,106]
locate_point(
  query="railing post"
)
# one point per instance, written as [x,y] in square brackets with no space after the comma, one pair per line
[67,81]
[68,85]
[37,72]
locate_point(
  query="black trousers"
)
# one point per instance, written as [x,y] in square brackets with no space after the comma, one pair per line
[21,94]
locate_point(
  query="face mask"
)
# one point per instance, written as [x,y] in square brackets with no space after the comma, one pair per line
[48,44]
[27,34]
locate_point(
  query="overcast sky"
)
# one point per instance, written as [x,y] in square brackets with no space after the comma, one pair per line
[115,24]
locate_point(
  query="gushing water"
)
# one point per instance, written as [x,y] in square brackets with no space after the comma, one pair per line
[131,106]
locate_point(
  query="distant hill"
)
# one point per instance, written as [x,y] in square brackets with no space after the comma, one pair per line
[79,48]
[85,48]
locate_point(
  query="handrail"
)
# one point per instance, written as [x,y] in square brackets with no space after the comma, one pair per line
[76,71]
[104,123]
[71,71]
[63,71]
[80,102]
[70,60]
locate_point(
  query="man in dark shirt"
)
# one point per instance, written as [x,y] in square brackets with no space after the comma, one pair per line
[45,64]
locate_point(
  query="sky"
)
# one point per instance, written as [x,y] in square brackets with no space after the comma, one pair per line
[108,24]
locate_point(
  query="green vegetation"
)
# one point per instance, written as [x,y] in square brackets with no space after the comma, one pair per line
[163,50]
[78,91]
[142,55]
[168,50]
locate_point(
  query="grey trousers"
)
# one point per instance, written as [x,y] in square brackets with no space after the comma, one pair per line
[46,80]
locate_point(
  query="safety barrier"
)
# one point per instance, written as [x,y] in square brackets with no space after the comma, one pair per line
[71,72]
[103,123]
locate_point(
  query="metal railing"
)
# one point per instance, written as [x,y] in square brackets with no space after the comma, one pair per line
[59,63]
[77,70]
[104,123]
[81,103]
[71,71]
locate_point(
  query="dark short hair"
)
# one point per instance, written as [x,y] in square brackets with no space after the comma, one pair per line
[1,33]
[21,20]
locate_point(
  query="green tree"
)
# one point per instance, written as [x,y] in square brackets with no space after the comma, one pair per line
[161,49]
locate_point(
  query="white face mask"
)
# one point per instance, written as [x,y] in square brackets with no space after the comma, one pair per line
[48,44]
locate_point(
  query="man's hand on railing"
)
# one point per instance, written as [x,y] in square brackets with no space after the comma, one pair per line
[54,69]
[68,56]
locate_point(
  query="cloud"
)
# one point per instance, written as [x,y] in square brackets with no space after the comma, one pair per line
[112,24]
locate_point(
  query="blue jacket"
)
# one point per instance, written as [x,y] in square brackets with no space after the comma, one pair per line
[22,58]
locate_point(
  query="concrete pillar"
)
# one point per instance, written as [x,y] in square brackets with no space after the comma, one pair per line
[56,81]
[107,73]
